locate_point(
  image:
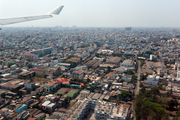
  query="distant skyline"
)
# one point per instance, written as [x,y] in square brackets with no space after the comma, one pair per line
[95,13]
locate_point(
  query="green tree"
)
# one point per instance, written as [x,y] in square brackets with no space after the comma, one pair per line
[141,85]
[109,68]
[9,64]
[123,95]
[130,72]
[20,77]
[30,66]
[28,90]
[3,95]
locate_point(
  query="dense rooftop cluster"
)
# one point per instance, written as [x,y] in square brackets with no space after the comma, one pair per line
[89,73]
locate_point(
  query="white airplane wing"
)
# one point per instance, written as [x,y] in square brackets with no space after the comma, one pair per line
[7,21]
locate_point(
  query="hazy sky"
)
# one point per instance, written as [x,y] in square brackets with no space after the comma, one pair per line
[96,13]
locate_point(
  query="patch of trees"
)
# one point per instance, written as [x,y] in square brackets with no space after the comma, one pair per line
[72,64]
[130,72]
[150,104]
[134,79]
[30,66]
[9,64]
[143,77]
[125,95]
[142,63]
[70,56]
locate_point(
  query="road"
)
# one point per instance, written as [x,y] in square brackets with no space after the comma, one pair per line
[136,92]
[138,79]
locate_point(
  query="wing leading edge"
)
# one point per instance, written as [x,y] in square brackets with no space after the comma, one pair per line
[7,21]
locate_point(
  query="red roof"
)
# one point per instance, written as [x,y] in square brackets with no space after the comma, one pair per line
[26,80]
[78,72]
[62,80]
[55,82]
[28,54]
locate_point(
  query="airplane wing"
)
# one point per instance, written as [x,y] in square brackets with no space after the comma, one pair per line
[7,21]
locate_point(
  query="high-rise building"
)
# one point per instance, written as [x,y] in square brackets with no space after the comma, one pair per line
[128,28]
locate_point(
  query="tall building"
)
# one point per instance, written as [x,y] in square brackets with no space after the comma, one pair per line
[128,28]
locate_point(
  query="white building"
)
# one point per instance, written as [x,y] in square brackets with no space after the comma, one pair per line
[178,76]
[152,57]
[13,67]
[154,80]
[127,63]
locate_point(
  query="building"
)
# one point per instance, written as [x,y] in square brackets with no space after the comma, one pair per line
[127,63]
[21,108]
[40,52]
[113,60]
[51,107]
[120,112]
[121,69]
[13,67]
[129,53]
[28,84]
[45,104]
[152,79]
[178,76]
[23,115]
[103,110]
[126,77]
[91,63]
[50,87]
[84,93]
[48,106]
[79,75]
[152,57]
[53,71]
[30,57]
[27,74]
[39,71]
[4,111]
[128,28]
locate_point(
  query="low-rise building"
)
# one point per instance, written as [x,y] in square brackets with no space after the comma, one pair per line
[30,57]
[127,63]
[84,93]
[21,108]
[4,111]
[28,84]
[79,75]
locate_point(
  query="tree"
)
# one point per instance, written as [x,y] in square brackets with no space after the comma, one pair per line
[172,104]
[70,56]
[109,68]
[3,95]
[92,89]
[130,72]
[141,85]
[28,90]
[38,95]
[155,90]
[123,95]
[20,77]
[30,66]
[160,87]
[9,64]
[142,62]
